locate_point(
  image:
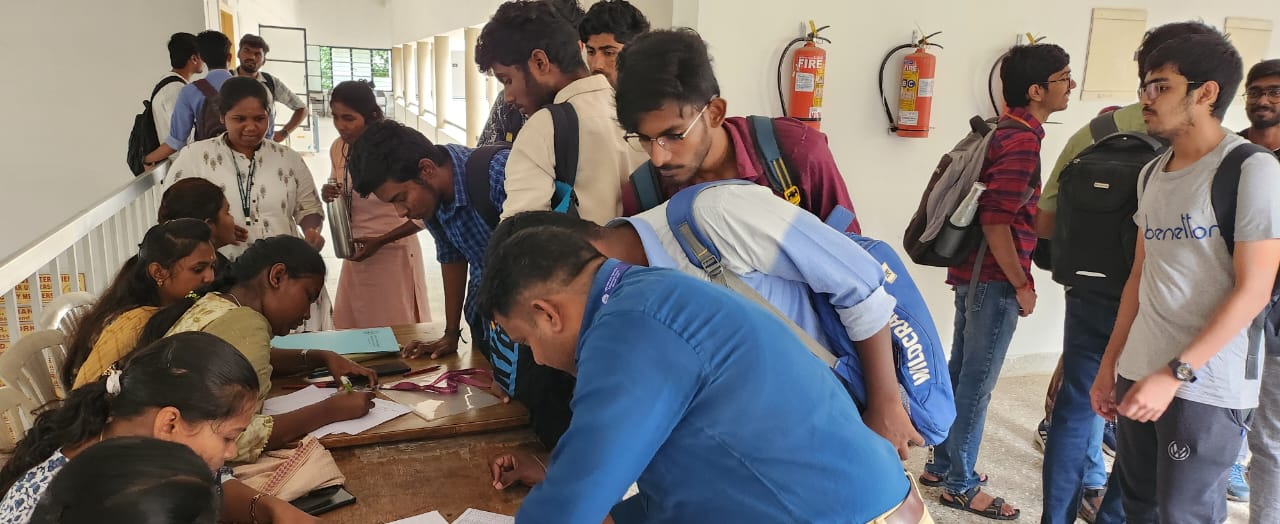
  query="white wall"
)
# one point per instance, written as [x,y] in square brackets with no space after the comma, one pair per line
[345,23]
[886,174]
[76,79]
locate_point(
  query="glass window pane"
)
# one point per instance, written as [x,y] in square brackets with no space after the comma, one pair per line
[313,52]
[342,54]
[361,55]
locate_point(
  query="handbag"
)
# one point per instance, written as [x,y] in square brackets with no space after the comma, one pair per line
[291,473]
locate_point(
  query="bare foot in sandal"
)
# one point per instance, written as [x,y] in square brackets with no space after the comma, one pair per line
[980,503]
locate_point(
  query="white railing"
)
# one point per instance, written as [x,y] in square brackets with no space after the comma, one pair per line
[82,254]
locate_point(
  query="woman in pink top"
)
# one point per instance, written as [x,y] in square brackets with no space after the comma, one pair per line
[384,282]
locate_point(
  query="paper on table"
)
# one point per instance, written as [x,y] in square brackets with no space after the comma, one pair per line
[342,342]
[475,516]
[383,410]
[432,406]
[426,518]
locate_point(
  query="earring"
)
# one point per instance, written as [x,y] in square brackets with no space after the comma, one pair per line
[159,282]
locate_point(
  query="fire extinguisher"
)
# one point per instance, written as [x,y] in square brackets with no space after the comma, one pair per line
[915,91]
[808,75]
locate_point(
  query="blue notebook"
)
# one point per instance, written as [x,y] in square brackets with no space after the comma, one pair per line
[343,342]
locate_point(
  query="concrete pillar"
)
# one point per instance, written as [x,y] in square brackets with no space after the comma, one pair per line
[411,85]
[477,111]
[424,75]
[492,83]
[444,76]
[397,72]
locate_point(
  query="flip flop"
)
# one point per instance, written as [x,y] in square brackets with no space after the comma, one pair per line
[961,502]
[982,480]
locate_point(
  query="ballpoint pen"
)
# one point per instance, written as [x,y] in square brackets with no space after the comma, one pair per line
[422,371]
[346,384]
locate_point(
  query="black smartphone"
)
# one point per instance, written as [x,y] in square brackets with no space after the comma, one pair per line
[324,500]
[390,369]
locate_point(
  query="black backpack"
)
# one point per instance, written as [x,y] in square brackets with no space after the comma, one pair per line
[208,120]
[143,138]
[1094,236]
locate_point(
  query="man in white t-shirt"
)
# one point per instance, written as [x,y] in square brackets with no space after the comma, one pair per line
[253,55]
[1181,369]
[184,57]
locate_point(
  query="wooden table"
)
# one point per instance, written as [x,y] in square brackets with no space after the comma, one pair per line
[413,427]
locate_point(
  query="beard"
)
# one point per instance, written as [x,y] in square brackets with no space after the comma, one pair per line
[1264,120]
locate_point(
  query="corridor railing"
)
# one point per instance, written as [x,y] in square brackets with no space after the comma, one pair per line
[82,254]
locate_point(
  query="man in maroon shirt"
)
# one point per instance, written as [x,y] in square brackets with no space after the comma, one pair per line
[670,107]
[1037,82]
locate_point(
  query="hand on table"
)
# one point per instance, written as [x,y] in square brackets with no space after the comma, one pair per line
[340,366]
[281,512]
[348,405]
[510,468]
[444,346]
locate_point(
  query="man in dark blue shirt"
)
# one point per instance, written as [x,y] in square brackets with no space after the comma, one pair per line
[705,400]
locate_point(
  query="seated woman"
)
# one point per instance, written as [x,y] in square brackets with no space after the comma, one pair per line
[204,201]
[131,479]
[276,281]
[193,389]
[173,259]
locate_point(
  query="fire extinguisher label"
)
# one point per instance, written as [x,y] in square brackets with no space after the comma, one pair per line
[910,86]
[804,82]
[908,118]
[926,88]
[815,113]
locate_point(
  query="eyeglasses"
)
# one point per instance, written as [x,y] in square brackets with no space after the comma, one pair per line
[1153,90]
[1272,93]
[1067,79]
[644,144]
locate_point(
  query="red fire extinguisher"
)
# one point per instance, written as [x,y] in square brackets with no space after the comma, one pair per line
[915,92]
[808,76]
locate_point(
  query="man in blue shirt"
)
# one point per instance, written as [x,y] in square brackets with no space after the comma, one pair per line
[705,400]
[215,50]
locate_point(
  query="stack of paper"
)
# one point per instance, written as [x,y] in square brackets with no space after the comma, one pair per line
[383,410]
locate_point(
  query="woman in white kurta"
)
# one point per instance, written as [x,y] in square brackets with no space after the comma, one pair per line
[268,185]
[384,282]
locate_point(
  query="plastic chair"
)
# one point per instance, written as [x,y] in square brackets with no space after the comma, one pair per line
[32,366]
[65,312]
[15,418]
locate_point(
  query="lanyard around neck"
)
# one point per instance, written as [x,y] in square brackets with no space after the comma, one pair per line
[244,183]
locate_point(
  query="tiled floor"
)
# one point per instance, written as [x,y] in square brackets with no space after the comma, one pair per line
[1008,454]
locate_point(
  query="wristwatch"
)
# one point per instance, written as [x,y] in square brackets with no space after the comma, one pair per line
[1182,371]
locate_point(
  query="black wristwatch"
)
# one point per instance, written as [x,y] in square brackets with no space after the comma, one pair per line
[1182,371]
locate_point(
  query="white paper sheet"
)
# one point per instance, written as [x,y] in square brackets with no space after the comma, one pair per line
[431,406]
[383,410]
[475,516]
[426,518]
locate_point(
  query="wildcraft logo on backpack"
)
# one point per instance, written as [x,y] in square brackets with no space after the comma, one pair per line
[1094,236]
[143,139]
[919,357]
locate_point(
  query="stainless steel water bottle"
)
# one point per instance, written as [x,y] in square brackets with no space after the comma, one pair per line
[340,224]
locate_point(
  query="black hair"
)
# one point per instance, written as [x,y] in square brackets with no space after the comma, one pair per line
[1203,58]
[201,375]
[570,10]
[164,244]
[1157,37]
[358,95]
[1262,70]
[299,258]
[215,47]
[660,67]
[532,257]
[522,26]
[238,88]
[534,219]
[131,479]
[389,151]
[193,197]
[254,41]
[182,46]
[617,17]
[1027,65]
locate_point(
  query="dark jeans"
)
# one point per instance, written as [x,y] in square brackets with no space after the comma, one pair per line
[983,331]
[1174,470]
[1075,431]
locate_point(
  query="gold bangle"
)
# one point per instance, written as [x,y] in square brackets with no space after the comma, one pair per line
[253,508]
[304,356]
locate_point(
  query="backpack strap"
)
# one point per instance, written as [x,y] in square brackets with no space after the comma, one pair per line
[703,253]
[647,187]
[775,169]
[271,83]
[478,182]
[564,121]
[164,82]
[205,88]
[1103,126]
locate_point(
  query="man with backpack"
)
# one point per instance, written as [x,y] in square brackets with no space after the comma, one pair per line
[670,106]
[192,113]
[707,402]
[608,27]
[1092,242]
[570,154]
[152,125]
[253,55]
[1182,367]
[1262,105]
[993,283]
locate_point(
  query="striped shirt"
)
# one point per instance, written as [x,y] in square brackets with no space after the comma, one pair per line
[1011,167]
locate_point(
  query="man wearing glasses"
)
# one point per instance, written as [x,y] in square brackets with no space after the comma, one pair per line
[1262,104]
[668,103]
[1177,370]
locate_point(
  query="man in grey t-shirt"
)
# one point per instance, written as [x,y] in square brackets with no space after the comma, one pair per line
[1187,316]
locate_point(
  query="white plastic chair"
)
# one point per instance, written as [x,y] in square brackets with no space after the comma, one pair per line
[15,418]
[65,312]
[32,366]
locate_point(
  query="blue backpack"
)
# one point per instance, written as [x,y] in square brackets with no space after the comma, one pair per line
[919,356]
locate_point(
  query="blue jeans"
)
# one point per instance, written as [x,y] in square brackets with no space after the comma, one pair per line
[1073,453]
[983,331]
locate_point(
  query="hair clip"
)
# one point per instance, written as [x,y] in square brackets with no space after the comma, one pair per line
[113,381]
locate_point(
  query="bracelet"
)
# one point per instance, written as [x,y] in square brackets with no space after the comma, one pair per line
[304,356]
[544,466]
[253,508]
[455,333]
